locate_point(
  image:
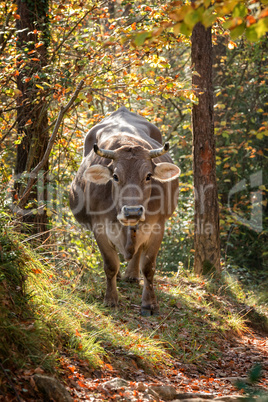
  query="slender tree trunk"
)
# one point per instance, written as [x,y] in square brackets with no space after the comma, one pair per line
[206,238]
[32,110]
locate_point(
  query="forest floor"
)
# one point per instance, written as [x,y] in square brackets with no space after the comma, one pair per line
[59,343]
[125,376]
[207,380]
[211,379]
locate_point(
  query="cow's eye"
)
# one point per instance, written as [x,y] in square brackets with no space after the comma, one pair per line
[115,177]
[149,176]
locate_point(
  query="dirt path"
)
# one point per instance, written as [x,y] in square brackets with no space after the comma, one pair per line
[212,379]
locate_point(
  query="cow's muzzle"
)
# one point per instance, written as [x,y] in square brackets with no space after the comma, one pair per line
[131,215]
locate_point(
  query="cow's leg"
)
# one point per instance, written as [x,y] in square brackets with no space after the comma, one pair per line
[111,268]
[149,304]
[132,273]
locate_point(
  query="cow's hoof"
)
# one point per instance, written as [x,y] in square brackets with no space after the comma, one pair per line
[148,311]
[132,280]
[110,303]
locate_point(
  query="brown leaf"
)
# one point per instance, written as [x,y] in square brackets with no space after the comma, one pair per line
[39,370]
[33,385]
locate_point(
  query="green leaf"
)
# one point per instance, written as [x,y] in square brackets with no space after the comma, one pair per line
[207,3]
[240,10]
[227,24]
[208,18]
[251,33]
[262,26]
[185,30]
[259,136]
[141,38]
[192,18]
[256,31]
[81,96]
[237,31]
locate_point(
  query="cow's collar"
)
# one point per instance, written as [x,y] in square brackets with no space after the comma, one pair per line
[134,227]
[133,230]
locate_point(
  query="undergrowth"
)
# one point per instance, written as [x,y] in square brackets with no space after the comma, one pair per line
[52,306]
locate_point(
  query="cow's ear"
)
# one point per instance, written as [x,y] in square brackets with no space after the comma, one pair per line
[97,174]
[166,172]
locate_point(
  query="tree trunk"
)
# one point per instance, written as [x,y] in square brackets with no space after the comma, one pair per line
[206,237]
[32,109]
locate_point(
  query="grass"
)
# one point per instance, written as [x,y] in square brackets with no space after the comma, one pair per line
[52,306]
[45,315]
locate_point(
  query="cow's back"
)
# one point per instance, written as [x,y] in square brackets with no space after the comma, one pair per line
[119,122]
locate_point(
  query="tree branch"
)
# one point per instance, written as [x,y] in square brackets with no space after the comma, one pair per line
[74,27]
[177,122]
[230,107]
[41,164]
[3,41]
[7,133]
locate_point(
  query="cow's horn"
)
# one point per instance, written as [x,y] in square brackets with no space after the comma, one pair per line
[105,153]
[154,153]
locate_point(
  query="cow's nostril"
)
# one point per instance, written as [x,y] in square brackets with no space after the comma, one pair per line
[125,211]
[133,212]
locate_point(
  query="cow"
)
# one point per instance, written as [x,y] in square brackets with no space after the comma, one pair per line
[124,191]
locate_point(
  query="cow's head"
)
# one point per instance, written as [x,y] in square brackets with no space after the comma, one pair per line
[131,171]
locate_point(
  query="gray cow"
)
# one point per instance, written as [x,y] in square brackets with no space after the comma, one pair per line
[124,191]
